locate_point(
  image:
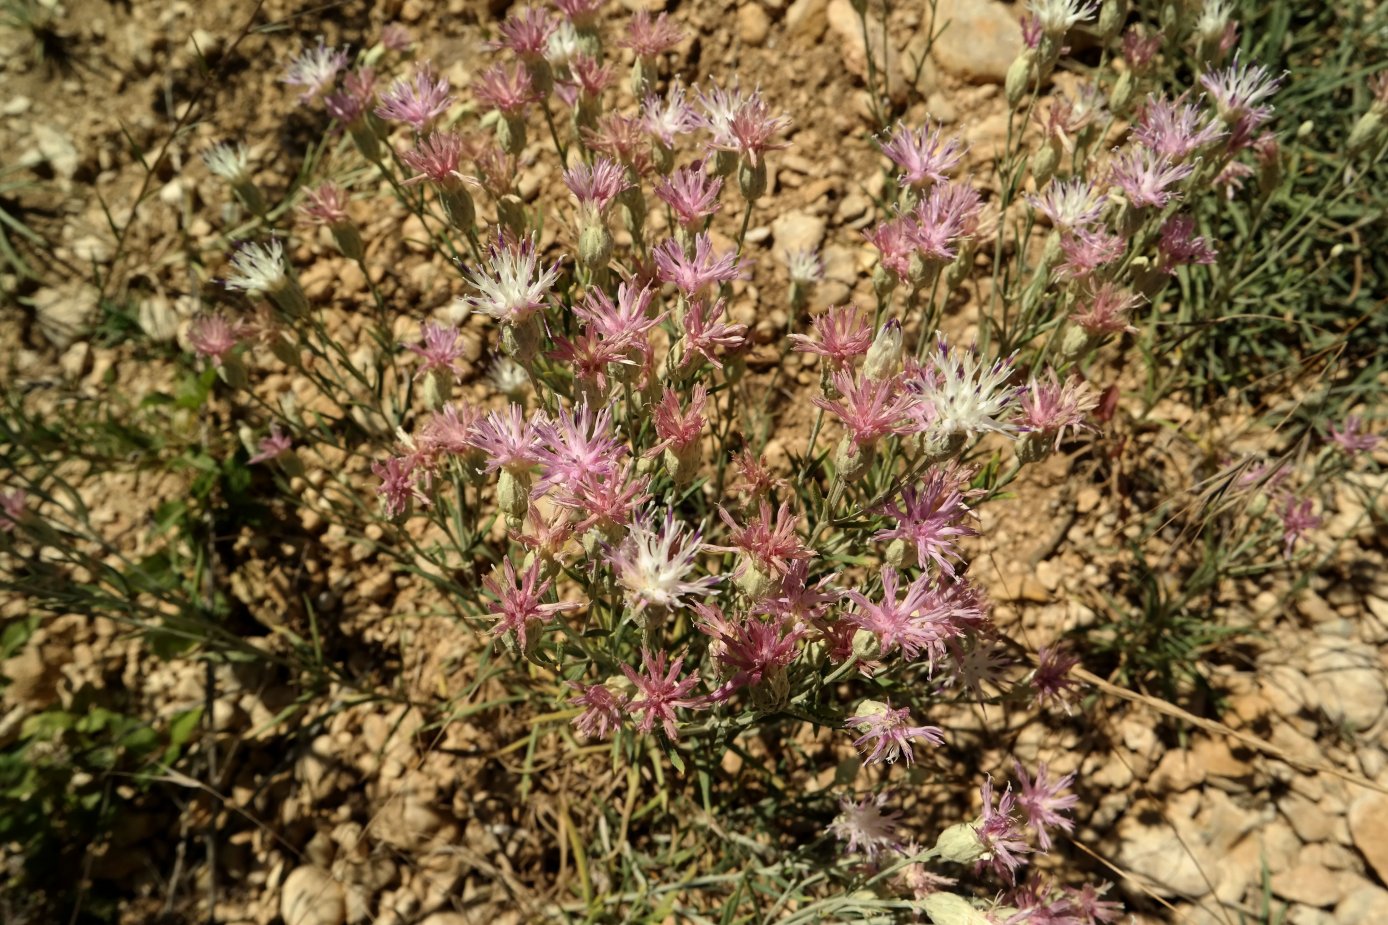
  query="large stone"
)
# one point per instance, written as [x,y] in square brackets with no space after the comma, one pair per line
[797,231]
[66,312]
[1311,884]
[1368,827]
[310,896]
[979,41]
[1154,851]
[848,29]
[1348,682]
[1363,904]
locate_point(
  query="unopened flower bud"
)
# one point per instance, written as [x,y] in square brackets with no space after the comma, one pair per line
[232,371]
[1033,447]
[951,909]
[348,240]
[884,356]
[458,207]
[900,554]
[513,497]
[724,163]
[866,646]
[682,464]
[959,843]
[1365,131]
[852,459]
[521,341]
[438,388]
[884,282]
[594,246]
[1019,77]
[1075,343]
[1045,161]
[510,133]
[510,212]
[1122,93]
[1112,15]
[751,179]
[755,583]
[285,351]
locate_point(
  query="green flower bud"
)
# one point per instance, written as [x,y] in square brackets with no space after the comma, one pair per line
[960,844]
[950,909]
[1019,77]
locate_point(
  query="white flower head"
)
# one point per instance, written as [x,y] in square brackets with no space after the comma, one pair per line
[258,268]
[1057,17]
[509,378]
[804,266]
[513,285]
[229,161]
[563,45]
[960,394]
[653,562]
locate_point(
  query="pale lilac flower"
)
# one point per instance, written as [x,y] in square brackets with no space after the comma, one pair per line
[1070,204]
[214,336]
[229,161]
[579,441]
[1179,245]
[1296,520]
[1086,250]
[1043,801]
[271,445]
[706,332]
[679,428]
[607,501]
[692,275]
[932,518]
[513,285]
[923,155]
[938,221]
[626,322]
[416,102]
[590,79]
[439,349]
[1057,17]
[448,432]
[354,100]
[603,711]
[315,70]
[1093,908]
[399,485]
[505,87]
[622,139]
[894,621]
[770,542]
[1051,680]
[1351,439]
[13,504]
[1140,49]
[742,123]
[653,563]
[690,193]
[887,733]
[325,205]
[1050,409]
[959,393]
[844,334]
[1175,128]
[659,693]
[582,13]
[520,607]
[508,440]
[869,409]
[999,834]
[395,37]
[436,158]
[803,266]
[525,32]
[1240,92]
[670,116]
[1105,310]
[894,241]
[649,37]
[1146,178]
[865,826]
[595,185]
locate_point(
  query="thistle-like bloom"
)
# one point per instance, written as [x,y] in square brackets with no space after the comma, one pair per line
[753,650]
[844,334]
[1044,801]
[622,139]
[582,13]
[399,485]
[1140,49]
[706,332]
[1296,520]
[1093,908]
[691,275]
[1105,310]
[315,70]
[690,193]
[659,693]
[325,205]
[1086,250]
[625,323]
[803,266]
[505,87]
[1070,204]
[887,733]
[606,501]
[923,155]
[13,504]
[1240,92]
[865,827]
[1175,128]
[999,833]
[508,440]
[258,267]
[354,100]
[271,445]
[514,285]
[1146,178]
[595,186]
[649,37]
[895,243]
[1056,17]
[436,158]
[520,607]
[754,477]
[769,542]
[448,432]
[439,349]
[870,409]
[579,441]
[416,102]
[653,564]
[229,161]
[960,394]
[909,624]
[932,518]
[395,37]
[1050,409]
[679,428]
[742,123]
[1351,438]
[525,32]
[1179,245]
[214,336]
[590,79]
[1051,680]
[669,117]
[603,711]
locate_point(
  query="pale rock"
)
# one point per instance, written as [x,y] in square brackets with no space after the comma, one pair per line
[1156,852]
[65,312]
[57,149]
[74,360]
[1311,884]
[1298,914]
[1279,844]
[1348,682]
[1372,761]
[158,318]
[448,918]
[1310,820]
[1363,903]
[1221,822]
[753,25]
[845,24]
[650,6]
[1368,827]
[1240,866]
[979,41]
[310,896]
[797,231]
[917,68]
[16,106]
[806,19]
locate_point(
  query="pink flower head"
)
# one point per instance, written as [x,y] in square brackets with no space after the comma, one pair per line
[923,156]
[1297,519]
[752,649]
[933,517]
[887,734]
[1239,93]
[1064,120]
[922,621]
[395,37]
[1140,49]
[1070,204]
[355,99]
[1175,128]
[271,445]
[865,827]
[593,358]
[436,158]
[679,428]
[315,70]
[579,441]
[505,87]
[800,600]
[520,607]
[654,561]
[649,37]
[582,13]
[13,504]
[449,432]
[1350,438]
[1146,178]
[843,334]
[692,275]
[999,833]
[1179,245]
[669,117]
[869,409]
[895,243]
[941,218]
[659,692]
[1086,250]
[438,348]
[399,484]
[525,32]
[1105,310]
[742,123]
[769,542]
[325,205]
[416,102]
[690,193]
[590,78]
[609,501]
[1051,680]
[1031,31]
[1044,801]
[603,711]
[1092,908]
[595,185]
[508,440]
[214,336]
[754,477]
[1050,409]
[622,139]
[627,322]
[514,284]
[706,332]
